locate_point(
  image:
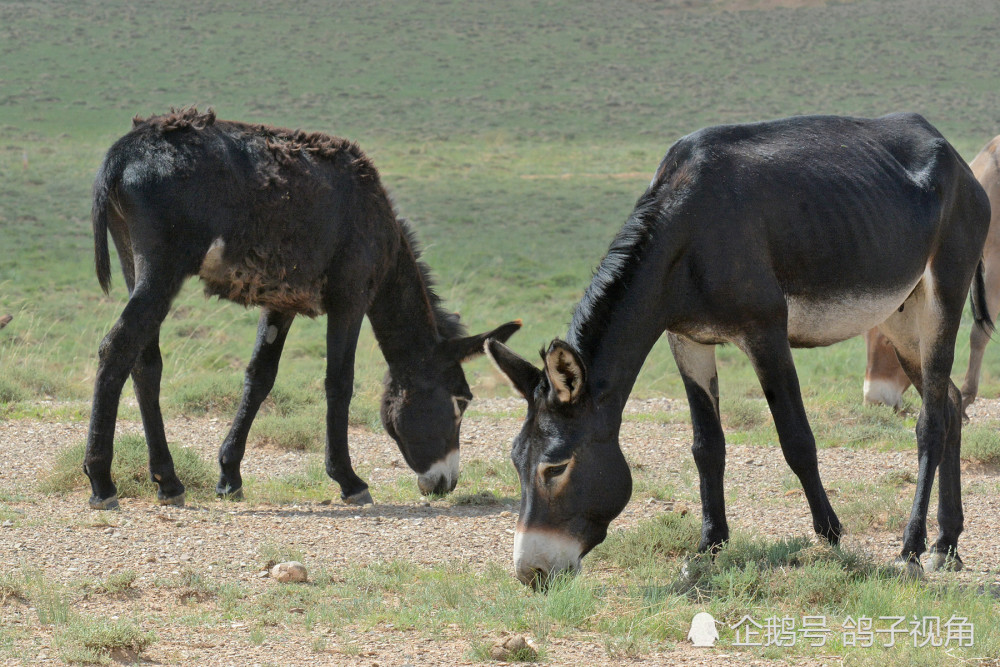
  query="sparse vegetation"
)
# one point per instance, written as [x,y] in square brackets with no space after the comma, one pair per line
[99,641]
[130,470]
[981,444]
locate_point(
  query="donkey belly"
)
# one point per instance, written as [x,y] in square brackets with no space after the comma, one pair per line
[262,279]
[824,321]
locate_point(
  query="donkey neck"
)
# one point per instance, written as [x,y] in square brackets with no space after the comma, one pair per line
[624,310]
[404,314]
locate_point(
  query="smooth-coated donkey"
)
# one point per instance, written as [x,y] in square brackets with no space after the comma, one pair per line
[799,232]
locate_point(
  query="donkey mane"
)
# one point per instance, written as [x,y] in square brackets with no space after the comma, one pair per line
[614,274]
[287,146]
[448,324]
[177,119]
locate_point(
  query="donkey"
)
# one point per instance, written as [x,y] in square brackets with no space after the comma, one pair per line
[799,232]
[885,380]
[295,223]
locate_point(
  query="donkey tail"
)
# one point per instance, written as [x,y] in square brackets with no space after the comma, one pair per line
[977,299]
[104,187]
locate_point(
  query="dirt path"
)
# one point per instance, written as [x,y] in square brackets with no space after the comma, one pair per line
[67,541]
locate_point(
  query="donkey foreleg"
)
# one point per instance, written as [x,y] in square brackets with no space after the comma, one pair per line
[272,330]
[771,357]
[341,343]
[696,363]
[951,519]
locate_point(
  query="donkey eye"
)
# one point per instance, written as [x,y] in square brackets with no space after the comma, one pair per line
[551,472]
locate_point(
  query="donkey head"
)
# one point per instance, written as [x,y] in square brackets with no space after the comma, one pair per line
[574,478]
[422,408]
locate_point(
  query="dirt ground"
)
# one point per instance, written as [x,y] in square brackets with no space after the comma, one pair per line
[63,538]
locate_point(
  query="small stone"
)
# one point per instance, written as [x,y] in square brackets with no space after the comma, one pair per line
[290,572]
[514,649]
[703,631]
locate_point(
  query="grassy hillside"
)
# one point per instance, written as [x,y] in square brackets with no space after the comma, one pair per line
[516,137]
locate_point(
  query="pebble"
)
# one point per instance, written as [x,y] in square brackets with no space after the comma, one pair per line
[289,572]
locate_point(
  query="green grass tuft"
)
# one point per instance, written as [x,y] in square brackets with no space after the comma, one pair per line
[217,394]
[299,432]
[99,641]
[115,584]
[980,443]
[670,534]
[130,470]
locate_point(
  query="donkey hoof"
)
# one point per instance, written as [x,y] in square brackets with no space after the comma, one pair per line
[229,494]
[110,503]
[693,570]
[363,497]
[946,562]
[909,568]
[177,500]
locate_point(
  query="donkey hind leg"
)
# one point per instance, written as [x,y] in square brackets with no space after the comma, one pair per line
[146,376]
[771,357]
[341,342]
[134,332]
[925,347]
[272,330]
[696,363]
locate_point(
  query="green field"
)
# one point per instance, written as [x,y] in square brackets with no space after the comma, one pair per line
[515,136]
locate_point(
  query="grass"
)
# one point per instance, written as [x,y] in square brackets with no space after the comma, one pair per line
[130,470]
[980,443]
[100,641]
[116,584]
[496,155]
[516,141]
[632,599]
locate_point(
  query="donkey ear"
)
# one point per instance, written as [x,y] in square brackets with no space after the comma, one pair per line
[519,371]
[471,347]
[566,372]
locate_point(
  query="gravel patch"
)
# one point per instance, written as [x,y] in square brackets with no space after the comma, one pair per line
[60,536]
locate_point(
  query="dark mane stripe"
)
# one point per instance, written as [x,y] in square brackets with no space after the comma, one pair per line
[614,274]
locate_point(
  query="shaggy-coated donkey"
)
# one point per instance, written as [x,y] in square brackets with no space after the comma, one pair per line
[799,232]
[295,223]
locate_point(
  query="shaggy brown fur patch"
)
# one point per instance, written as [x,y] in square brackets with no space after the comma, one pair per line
[287,146]
[178,119]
